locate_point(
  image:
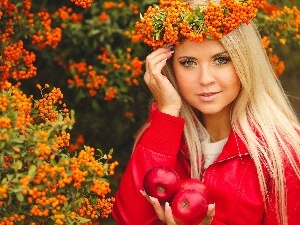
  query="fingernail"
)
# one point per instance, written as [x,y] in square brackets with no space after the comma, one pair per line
[171,52]
[167,205]
[213,206]
[151,199]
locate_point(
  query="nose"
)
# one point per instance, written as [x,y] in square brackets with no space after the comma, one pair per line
[205,76]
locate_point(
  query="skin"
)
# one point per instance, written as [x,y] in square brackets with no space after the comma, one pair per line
[207,80]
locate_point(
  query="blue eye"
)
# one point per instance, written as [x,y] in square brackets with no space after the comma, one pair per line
[221,60]
[188,63]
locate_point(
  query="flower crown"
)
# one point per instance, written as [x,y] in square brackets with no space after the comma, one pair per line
[163,24]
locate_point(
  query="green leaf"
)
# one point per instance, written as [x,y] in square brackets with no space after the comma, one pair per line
[78,201]
[95,105]
[94,32]
[70,221]
[4,180]
[82,220]
[20,196]
[2,144]
[2,159]
[72,113]
[19,140]
[32,171]
[17,165]
[9,177]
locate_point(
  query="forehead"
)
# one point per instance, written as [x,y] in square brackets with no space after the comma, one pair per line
[206,48]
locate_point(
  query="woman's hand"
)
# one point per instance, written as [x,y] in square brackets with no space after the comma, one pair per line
[167,98]
[164,212]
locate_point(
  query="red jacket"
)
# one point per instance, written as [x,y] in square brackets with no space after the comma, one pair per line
[232,179]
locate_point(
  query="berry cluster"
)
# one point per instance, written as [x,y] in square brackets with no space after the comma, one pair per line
[40,182]
[164,23]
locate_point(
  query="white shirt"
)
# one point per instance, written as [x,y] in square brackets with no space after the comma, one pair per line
[211,150]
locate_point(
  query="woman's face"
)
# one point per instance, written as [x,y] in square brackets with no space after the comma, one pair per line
[206,76]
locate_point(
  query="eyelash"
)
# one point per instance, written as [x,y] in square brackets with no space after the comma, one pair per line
[185,63]
[223,59]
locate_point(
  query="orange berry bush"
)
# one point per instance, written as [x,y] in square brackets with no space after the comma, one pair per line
[102,69]
[104,66]
[279,26]
[40,182]
[86,49]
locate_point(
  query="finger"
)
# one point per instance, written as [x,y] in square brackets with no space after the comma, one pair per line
[158,54]
[156,61]
[155,79]
[210,214]
[169,215]
[159,210]
[145,195]
[155,57]
[156,64]
[211,210]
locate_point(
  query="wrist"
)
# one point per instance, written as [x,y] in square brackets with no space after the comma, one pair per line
[172,111]
[164,134]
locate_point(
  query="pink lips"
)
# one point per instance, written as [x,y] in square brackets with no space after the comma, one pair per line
[208,96]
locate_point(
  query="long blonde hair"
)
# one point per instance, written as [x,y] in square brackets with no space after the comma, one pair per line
[268,112]
[261,108]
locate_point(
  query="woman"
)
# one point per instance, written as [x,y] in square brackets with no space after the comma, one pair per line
[219,115]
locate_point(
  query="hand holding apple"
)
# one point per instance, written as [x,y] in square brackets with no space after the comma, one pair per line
[189,197]
[165,214]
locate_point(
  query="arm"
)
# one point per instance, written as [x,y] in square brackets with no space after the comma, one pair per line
[158,145]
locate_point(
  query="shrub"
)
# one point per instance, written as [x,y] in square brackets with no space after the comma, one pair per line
[40,182]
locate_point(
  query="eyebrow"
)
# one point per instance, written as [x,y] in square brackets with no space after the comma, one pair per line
[219,54]
[194,58]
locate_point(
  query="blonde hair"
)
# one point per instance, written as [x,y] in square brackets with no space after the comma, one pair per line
[261,116]
[262,107]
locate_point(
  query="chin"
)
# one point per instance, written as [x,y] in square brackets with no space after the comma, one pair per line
[214,109]
[210,111]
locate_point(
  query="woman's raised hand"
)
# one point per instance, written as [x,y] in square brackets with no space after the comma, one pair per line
[167,98]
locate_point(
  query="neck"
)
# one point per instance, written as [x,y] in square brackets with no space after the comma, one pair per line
[218,125]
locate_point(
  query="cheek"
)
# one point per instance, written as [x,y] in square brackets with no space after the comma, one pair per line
[185,78]
[233,83]
[180,79]
[185,83]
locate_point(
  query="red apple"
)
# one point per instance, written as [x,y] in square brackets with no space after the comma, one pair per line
[161,182]
[194,184]
[189,207]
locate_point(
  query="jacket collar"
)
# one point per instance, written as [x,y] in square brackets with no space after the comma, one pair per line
[234,147]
